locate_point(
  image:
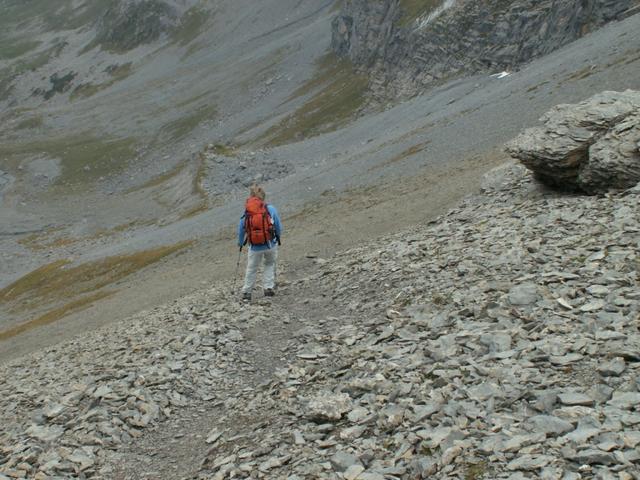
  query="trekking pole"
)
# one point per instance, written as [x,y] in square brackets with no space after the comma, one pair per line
[235,275]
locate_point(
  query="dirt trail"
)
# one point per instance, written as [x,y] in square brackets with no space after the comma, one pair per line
[178,447]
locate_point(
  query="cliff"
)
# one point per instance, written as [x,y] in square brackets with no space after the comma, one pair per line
[407,45]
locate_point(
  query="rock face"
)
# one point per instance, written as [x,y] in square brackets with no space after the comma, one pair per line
[593,146]
[406,48]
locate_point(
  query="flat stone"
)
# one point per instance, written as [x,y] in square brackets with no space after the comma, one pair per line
[575,399]
[530,462]
[341,461]
[593,306]
[625,400]
[46,433]
[420,412]
[525,294]
[549,425]
[484,391]
[565,360]
[353,472]
[593,457]
[328,406]
[515,443]
[613,368]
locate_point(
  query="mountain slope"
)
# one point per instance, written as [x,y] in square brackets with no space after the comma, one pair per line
[408,45]
[351,183]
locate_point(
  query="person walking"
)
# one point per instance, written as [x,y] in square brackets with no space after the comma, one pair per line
[261,228]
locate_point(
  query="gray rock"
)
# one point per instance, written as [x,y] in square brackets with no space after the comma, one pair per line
[328,406]
[600,393]
[591,146]
[342,461]
[593,457]
[613,368]
[530,462]
[549,425]
[406,47]
[572,399]
[525,294]
[625,400]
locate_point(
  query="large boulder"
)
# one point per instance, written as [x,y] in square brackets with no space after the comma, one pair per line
[592,147]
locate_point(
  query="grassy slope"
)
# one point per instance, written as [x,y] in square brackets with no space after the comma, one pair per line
[335,94]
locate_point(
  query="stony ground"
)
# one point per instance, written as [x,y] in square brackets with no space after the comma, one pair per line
[499,341]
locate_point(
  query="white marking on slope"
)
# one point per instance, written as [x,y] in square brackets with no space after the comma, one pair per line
[501,75]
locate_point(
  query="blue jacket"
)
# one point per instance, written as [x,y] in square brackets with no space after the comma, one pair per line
[276,224]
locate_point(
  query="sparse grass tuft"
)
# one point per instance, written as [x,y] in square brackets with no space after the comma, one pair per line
[224,150]
[55,314]
[409,152]
[34,281]
[30,123]
[441,299]
[179,129]
[16,48]
[476,471]
[100,156]
[191,25]
[195,210]
[412,9]
[337,5]
[582,74]
[338,92]
[117,72]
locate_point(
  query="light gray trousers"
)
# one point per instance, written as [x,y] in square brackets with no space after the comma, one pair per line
[255,258]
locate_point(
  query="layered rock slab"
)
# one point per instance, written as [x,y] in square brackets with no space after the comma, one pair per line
[593,146]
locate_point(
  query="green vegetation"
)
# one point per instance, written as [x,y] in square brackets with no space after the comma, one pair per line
[64,289]
[476,471]
[58,281]
[117,72]
[337,93]
[412,9]
[141,23]
[55,314]
[18,15]
[337,5]
[224,150]
[191,25]
[13,49]
[84,157]
[32,122]
[24,64]
[582,74]
[409,152]
[180,128]
[159,179]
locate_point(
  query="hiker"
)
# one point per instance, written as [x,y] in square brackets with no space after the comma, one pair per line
[260,227]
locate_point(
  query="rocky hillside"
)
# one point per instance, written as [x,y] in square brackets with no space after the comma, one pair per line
[408,45]
[500,341]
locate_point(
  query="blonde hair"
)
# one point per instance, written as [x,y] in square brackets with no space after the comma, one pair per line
[257,191]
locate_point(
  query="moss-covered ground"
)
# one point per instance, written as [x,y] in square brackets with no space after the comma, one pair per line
[336,93]
[84,157]
[413,9]
[60,288]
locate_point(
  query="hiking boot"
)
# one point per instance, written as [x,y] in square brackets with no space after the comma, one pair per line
[246,296]
[269,292]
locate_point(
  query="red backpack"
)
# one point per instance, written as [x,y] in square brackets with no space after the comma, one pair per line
[258,224]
